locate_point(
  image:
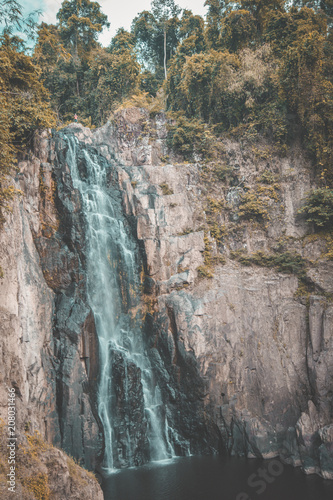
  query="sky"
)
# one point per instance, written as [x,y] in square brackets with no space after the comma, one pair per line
[120,12]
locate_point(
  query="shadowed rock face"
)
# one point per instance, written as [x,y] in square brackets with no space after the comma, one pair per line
[128,412]
[245,365]
[62,256]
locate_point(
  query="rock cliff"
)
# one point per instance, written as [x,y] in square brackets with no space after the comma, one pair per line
[46,329]
[243,353]
[236,295]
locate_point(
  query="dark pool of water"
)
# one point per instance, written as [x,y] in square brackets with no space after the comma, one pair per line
[215,478]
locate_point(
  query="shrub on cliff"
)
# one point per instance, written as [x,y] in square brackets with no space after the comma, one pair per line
[253,207]
[284,262]
[190,137]
[318,208]
[24,107]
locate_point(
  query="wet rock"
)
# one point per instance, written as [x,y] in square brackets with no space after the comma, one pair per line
[130,445]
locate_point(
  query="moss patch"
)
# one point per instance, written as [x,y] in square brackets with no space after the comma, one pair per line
[286,262]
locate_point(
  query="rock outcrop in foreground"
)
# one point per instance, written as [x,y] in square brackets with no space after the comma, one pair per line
[243,354]
[43,471]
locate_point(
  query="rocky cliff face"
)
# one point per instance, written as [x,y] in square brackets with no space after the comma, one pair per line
[243,353]
[47,332]
[244,356]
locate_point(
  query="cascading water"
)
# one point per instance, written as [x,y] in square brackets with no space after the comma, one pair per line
[129,401]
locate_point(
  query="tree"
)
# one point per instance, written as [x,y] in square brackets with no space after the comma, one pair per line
[51,56]
[262,10]
[199,90]
[318,208]
[28,100]
[192,33]
[305,82]
[165,12]
[113,75]
[231,17]
[80,23]
[238,30]
[11,18]
[157,32]
[215,15]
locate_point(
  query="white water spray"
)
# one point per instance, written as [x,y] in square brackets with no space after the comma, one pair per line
[113,289]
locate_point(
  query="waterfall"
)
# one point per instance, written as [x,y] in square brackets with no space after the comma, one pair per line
[129,401]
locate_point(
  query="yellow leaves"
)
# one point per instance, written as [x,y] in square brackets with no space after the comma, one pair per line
[49,49]
[253,206]
[23,108]
[143,100]
[39,486]
[203,77]
[256,67]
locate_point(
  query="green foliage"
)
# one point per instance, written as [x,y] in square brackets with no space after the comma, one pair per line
[239,29]
[149,83]
[157,34]
[267,177]
[80,23]
[206,270]
[24,107]
[192,34]
[277,89]
[154,105]
[329,247]
[230,91]
[215,14]
[113,75]
[186,231]
[254,68]
[261,11]
[193,42]
[92,86]
[199,89]
[213,212]
[305,78]
[66,54]
[190,137]
[253,207]
[256,90]
[286,262]
[27,99]
[318,208]
[221,171]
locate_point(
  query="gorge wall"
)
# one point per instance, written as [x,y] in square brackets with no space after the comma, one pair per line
[43,344]
[243,354]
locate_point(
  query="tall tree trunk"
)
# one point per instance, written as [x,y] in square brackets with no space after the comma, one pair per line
[76,53]
[77,86]
[165,68]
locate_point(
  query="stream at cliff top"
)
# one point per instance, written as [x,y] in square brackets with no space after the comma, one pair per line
[214,478]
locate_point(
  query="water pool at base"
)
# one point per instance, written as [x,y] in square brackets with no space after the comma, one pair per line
[215,478]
